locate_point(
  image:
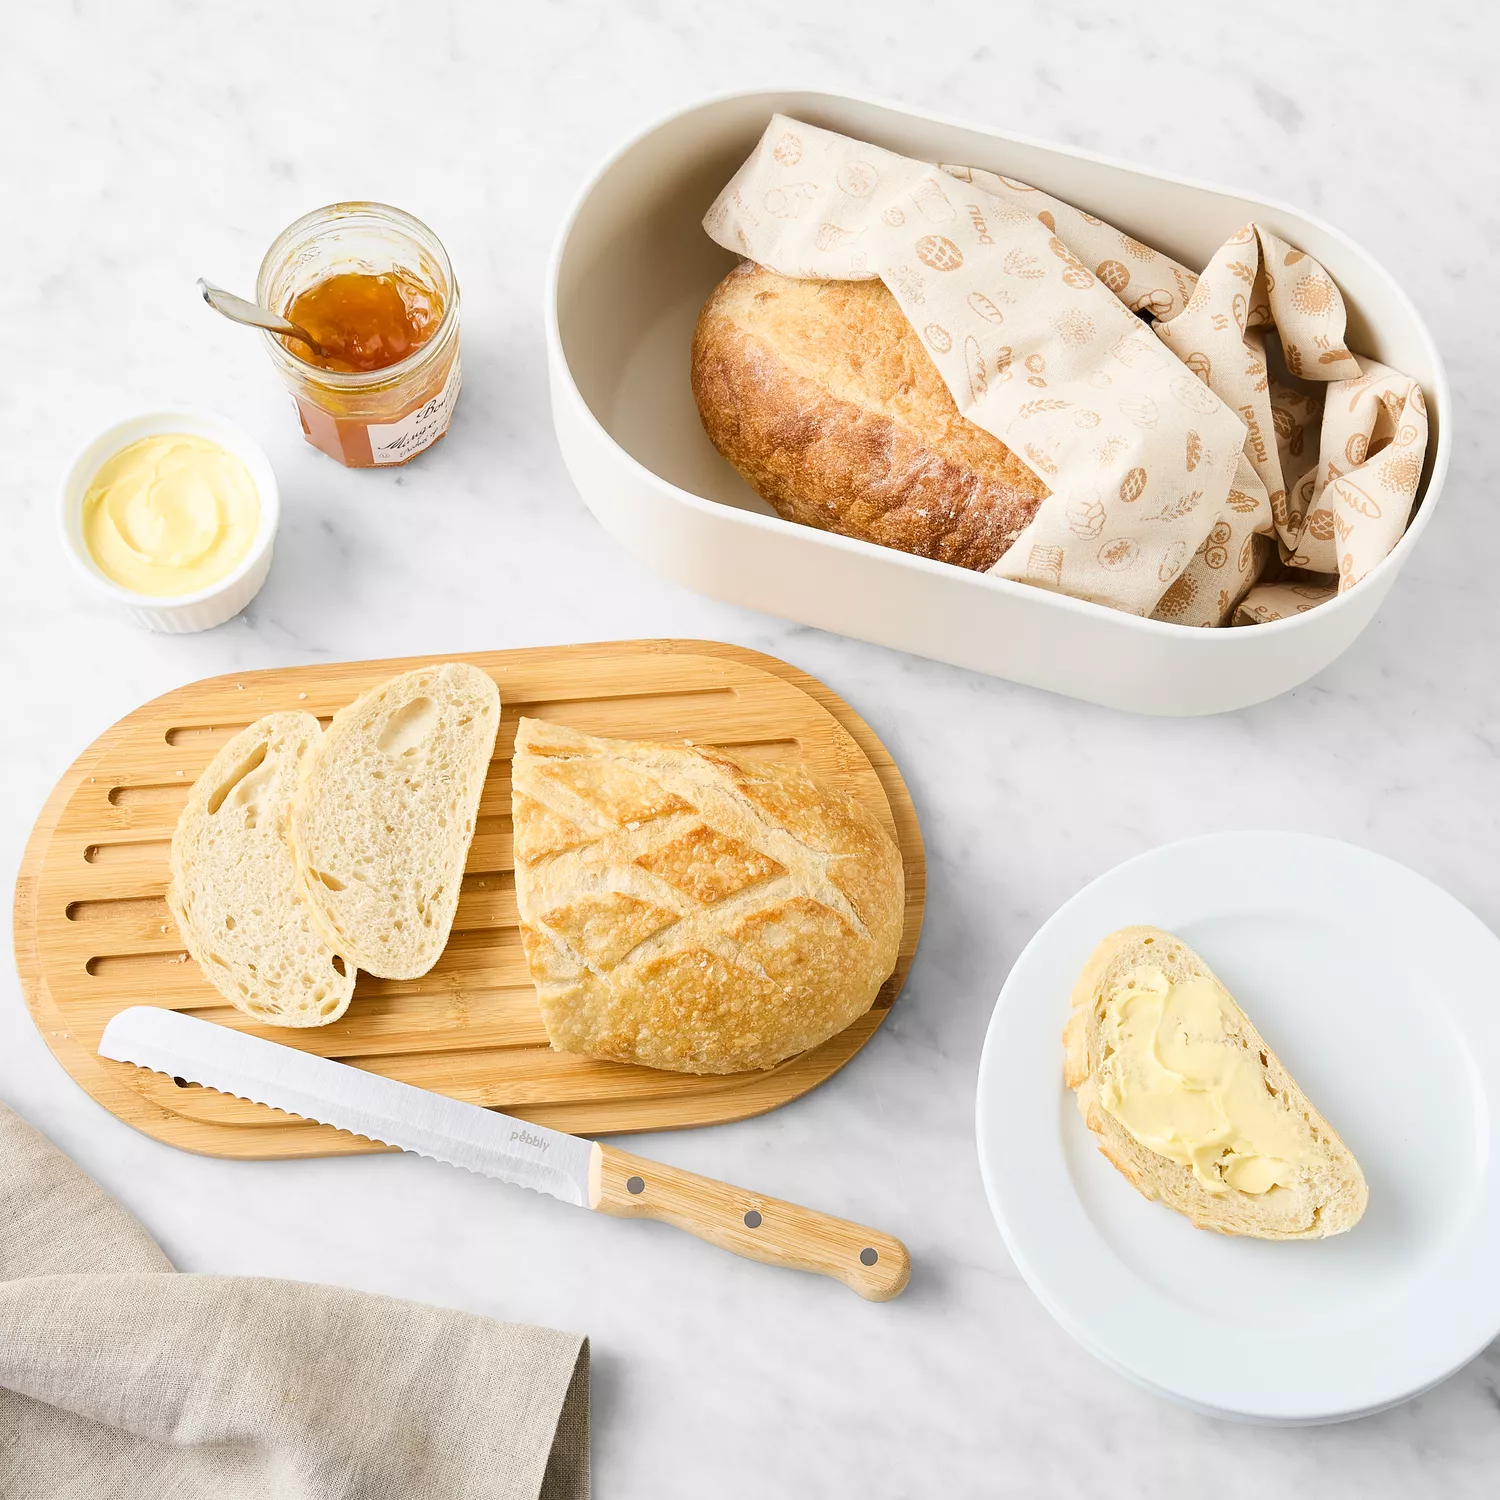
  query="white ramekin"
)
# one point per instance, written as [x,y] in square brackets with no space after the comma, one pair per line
[179,614]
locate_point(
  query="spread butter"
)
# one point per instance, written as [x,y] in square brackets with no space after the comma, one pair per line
[1175,1077]
[169,515]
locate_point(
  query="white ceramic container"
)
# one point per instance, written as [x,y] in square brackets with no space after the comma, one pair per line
[221,601]
[632,267]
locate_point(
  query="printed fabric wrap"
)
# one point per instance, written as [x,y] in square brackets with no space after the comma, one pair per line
[1199,471]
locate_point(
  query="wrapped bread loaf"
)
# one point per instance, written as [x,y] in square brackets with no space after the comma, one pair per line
[822,396]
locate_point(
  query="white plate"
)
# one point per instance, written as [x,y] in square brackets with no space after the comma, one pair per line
[1381,994]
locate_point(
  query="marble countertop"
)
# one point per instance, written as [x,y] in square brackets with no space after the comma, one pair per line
[143,146]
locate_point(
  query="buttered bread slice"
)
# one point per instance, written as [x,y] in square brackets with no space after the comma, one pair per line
[234,889]
[687,910]
[382,824]
[1187,1100]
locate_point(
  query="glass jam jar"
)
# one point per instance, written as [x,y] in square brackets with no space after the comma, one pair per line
[367,417]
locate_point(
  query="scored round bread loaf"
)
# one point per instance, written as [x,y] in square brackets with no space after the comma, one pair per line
[687,910]
[1328,1195]
[822,396]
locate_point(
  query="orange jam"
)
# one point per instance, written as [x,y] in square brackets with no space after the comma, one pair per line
[364,320]
[375,288]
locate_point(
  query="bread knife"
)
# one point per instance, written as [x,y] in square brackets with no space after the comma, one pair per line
[581,1172]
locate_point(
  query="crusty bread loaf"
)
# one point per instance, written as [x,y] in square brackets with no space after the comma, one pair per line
[1329,1193]
[382,824]
[823,397]
[686,910]
[234,889]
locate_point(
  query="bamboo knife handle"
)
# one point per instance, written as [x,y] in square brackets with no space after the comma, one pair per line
[759,1228]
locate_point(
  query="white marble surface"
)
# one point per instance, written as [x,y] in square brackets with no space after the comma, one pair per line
[144,145]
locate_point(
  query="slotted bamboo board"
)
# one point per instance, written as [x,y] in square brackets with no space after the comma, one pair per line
[93,933]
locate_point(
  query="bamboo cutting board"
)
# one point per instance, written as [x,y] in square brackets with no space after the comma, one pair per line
[93,933]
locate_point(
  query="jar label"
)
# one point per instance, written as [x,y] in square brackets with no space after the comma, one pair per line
[395,442]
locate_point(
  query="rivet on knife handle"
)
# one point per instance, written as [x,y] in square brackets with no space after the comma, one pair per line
[873,1264]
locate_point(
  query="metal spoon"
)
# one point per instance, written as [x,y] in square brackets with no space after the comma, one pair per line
[253,315]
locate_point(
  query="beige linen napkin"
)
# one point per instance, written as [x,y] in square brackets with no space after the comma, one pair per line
[122,1379]
[1171,448]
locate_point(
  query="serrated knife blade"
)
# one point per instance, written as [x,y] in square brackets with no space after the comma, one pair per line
[333,1093]
[582,1172]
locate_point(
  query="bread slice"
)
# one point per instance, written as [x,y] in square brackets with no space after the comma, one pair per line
[1327,1194]
[234,889]
[687,910]
[382,823]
